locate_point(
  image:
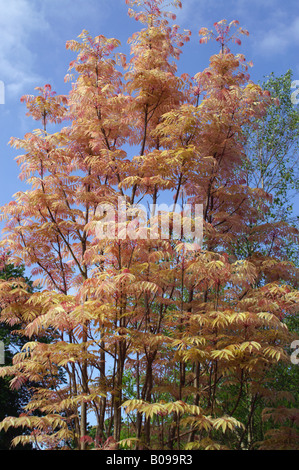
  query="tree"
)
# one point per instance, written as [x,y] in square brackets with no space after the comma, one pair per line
[271,162]
[12,402]
[187,321]
[272,149]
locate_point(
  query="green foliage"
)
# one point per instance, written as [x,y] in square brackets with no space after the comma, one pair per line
[192,337]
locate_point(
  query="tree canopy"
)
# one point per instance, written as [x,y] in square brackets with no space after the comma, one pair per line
[166,341]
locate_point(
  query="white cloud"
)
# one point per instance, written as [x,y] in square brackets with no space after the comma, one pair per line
[272,43]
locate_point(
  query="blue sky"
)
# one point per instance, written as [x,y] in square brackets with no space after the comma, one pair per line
[33,34]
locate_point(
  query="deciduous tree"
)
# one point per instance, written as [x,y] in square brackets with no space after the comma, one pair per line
[184,322]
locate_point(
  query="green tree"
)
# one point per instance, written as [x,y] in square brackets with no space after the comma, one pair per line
[272,148]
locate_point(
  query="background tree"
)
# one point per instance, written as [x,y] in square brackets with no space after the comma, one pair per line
[12,402]
[272,149]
